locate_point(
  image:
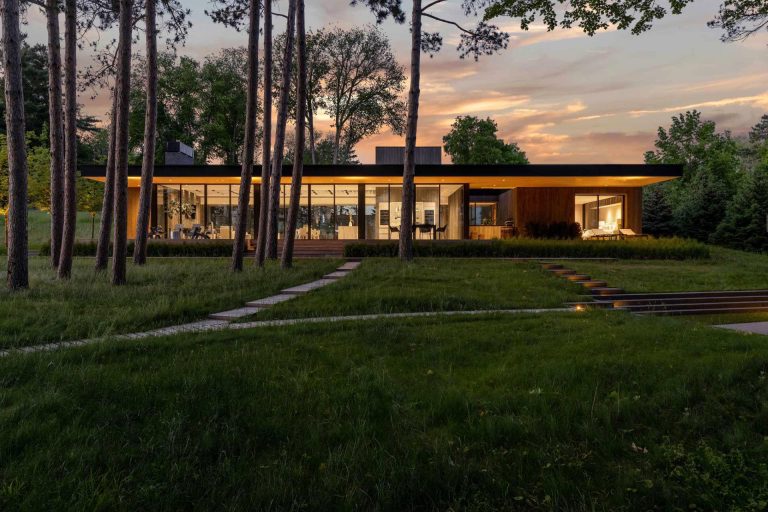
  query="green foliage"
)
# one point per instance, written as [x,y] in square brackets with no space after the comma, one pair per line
[474,141]
[663,248]
[161,248]
[589,15]
[658,219]
[740,19]
[34,70]
[700,210]
[553,230]
[745,225]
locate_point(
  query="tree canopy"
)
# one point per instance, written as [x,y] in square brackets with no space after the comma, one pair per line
[474,141]
[739,19]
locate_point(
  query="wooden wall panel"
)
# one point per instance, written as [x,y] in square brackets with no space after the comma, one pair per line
[547,205]
[133,211]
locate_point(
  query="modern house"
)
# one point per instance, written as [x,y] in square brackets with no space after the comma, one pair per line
[348,202]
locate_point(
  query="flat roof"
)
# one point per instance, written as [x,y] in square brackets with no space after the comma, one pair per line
[482,176]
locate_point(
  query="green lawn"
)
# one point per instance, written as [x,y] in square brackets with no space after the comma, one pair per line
[567,411]
[726,270]
[39,228]
[385,285]
[166,291]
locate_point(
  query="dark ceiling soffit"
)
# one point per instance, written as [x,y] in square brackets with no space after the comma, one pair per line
[323,171]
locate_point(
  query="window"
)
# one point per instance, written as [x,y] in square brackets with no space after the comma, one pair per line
[603,212]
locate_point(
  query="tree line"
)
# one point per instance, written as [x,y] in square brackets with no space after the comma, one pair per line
[478,36]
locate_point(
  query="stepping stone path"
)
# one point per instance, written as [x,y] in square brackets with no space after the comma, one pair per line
[254,306]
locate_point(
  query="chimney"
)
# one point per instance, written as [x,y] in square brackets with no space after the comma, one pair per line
[395,155]
[178,153]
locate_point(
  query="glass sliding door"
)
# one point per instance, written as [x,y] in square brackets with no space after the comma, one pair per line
[451,225]
[219,212]
[234,199]
[346,212]
[302,222]
[426,213]
[322,215]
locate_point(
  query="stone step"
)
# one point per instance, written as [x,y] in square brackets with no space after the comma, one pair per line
[606,291]
[562,271]
[308,287]
[689,300]
[336,275]
[689,295]
[234,314]
[577,277]
[551,266]
[693,306]
[350,265]
[723,310]
[270,301]
[593,283]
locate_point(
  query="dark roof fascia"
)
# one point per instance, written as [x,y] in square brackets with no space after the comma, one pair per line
[434,170]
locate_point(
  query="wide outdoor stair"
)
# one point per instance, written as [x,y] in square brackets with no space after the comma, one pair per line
[601,295]
[685,303]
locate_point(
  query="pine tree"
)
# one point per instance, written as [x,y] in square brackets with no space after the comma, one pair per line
[658,219]
[745,225]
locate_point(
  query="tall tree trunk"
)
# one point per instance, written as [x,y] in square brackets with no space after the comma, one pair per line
[108,203]
[286,260]
[409,167]
[282,117]
[336,142]
[249,142]
[150,138]
[56,133]
[119,239]
[264,188]
[16,218]
[70,139]
[311,123]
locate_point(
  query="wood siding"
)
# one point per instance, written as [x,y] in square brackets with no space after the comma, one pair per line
[547,205]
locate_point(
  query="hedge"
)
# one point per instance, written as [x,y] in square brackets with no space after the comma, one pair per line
[663,249]
[160,248]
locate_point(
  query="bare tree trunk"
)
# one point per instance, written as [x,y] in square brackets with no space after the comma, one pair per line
[70,139]
[56,133]
[286,259]
[282,117]
[409,167]
[261,236]
[249,143]
[336,142]
[108,203]
[16,218]
[119,240]
[311,122]
[150,138]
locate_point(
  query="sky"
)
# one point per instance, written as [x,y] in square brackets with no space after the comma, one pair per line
[562,96]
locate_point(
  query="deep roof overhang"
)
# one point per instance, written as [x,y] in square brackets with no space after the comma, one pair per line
[477,176]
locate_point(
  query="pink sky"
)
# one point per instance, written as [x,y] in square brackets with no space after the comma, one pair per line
[562,96]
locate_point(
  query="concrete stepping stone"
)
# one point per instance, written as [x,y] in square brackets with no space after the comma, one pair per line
[234,314]
[350,265]
[270,301]
[306,288]
[336,275]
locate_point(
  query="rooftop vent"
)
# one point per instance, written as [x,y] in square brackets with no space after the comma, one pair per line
[395,155]
[178,153]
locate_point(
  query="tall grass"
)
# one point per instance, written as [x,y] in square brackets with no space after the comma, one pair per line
[665,248]
[164,292]
[598,411]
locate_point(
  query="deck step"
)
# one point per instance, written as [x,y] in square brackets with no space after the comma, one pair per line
[699,300]
[661,307]
[562,271]
[551,266]
[578,277]
[691,295]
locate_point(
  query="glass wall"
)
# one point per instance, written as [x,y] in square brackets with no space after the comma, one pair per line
[326,212]
[346,212]
[438,212]
[598,214]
